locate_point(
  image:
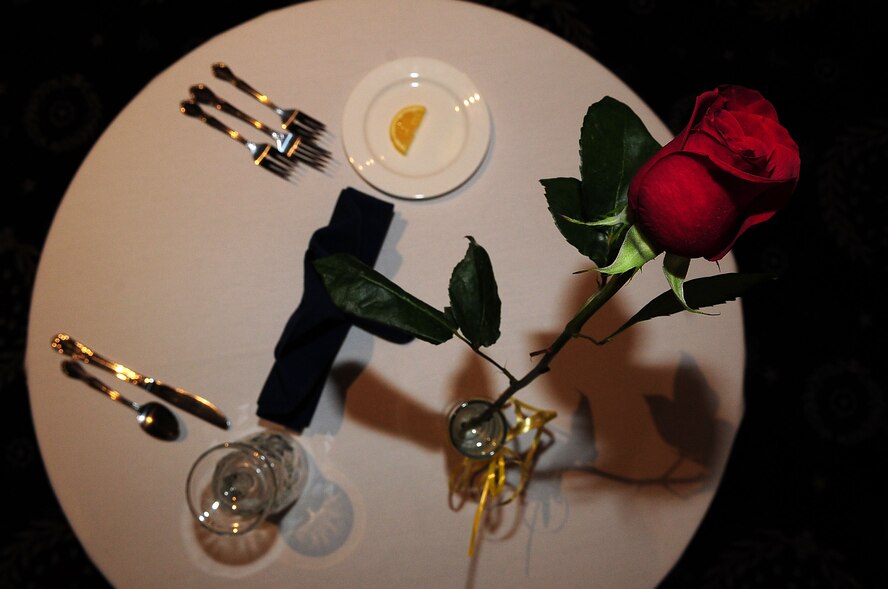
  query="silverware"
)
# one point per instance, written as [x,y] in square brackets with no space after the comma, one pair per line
[264,155]
[184,400]
[293,145]
[154,418]
[291,118]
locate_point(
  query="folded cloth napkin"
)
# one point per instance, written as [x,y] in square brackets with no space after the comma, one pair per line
[314,333]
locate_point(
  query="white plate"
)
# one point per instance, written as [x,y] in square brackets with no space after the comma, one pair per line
[449,144]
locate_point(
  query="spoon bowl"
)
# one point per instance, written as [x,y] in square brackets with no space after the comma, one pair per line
[155,419]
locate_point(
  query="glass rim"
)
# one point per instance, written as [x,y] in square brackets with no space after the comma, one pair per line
[257,457]
[498,415]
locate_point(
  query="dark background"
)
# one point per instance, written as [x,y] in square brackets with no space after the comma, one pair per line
[803,500]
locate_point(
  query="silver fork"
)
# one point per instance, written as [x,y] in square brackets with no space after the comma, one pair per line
[290,144]
[291,118]
[264,155]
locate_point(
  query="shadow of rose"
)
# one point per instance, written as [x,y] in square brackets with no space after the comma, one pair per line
[651,426]
[378,404]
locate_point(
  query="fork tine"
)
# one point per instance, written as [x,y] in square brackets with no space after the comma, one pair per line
[301,151]
[264,154]
[271,160]
[313,147]
[306,148]
[278,160]
[299,120]
[310,121]
[316,164]
[285,172]
[309,135]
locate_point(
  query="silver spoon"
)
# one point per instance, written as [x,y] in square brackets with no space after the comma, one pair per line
[154,418]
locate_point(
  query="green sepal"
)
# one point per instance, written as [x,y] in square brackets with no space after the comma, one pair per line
[618,219]
[474,301]
[361,291]
[675,268]
[635,251]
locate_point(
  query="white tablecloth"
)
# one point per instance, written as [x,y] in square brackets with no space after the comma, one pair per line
[172,254]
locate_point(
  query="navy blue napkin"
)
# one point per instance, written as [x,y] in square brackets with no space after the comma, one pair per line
[314,333]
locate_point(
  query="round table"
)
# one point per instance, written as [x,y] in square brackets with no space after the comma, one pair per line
[173,254]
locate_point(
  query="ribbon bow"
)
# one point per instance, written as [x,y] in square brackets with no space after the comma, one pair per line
[493,482]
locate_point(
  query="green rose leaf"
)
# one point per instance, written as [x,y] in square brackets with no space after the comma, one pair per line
[591,213]
[474,301]
[359,290]
[699,293]
[614,143]
[565,199]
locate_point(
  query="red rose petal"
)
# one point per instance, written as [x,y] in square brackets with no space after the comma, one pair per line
[683,206]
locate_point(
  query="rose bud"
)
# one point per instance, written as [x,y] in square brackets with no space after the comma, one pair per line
[733,166]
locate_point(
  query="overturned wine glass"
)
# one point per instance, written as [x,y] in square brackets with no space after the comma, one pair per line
[233,487]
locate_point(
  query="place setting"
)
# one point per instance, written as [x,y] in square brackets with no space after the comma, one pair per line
[413,128]
[425,111]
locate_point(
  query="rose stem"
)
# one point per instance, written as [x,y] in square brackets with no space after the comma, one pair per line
[571,330]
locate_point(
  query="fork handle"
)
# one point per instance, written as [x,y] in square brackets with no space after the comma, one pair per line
[204,95]
[223,72]
[191,109]
[228,108]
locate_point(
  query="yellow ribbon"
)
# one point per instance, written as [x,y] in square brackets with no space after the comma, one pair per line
[527,419]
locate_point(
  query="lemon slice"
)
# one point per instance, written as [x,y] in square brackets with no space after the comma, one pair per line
[403,126]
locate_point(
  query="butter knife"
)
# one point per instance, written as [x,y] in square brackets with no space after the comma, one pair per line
[184,400]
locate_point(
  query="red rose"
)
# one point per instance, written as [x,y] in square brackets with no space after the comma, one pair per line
[733,166]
